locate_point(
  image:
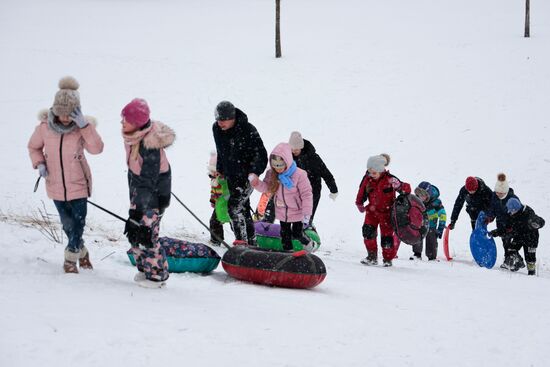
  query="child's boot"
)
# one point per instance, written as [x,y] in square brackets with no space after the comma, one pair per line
[371,259]
[69,266]
[84,260]
[531,268]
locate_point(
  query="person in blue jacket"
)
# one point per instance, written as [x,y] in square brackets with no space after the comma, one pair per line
[437,217]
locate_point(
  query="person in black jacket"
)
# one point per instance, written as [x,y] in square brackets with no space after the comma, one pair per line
[307,159]
[523,228]
[502,193]
[478,198]
[241,152]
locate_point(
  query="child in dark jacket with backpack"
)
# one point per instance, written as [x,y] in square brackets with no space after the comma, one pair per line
[429,194]
[378,187]
[523,229]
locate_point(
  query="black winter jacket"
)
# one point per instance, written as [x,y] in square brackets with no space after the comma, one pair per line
[524,227]
[309,161]
[240,150]
[498,209]
[476,202]
[151,189]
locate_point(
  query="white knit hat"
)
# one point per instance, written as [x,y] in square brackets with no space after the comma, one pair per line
[296,141]
[502,185]
[378,163]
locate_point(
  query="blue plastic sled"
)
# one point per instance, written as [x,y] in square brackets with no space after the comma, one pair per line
[482,246]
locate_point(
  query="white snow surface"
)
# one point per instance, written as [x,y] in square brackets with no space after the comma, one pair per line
[448,88]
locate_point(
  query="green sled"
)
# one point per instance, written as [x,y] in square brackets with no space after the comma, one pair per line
[221,203]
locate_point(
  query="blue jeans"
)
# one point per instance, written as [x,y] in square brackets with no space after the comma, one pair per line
[73,218]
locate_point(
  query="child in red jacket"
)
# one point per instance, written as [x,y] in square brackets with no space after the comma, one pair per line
[378,186]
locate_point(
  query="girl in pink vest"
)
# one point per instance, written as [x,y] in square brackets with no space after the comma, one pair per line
[57,150]
[293,197]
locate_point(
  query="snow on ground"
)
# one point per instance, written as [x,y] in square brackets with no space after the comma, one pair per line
[448,89]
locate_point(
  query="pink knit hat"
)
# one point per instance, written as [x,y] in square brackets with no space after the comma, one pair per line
[136,113]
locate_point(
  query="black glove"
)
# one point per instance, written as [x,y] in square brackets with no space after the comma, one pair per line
[494,233]
[452,225]
[137,233]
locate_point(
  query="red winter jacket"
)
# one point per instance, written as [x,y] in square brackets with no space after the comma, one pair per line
[380,193]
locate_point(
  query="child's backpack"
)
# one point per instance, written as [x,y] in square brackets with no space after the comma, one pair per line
[409,219]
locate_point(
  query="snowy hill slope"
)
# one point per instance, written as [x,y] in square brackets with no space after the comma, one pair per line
[448,90]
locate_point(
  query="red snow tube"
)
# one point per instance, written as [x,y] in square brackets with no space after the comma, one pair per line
[275,268]
[409,219]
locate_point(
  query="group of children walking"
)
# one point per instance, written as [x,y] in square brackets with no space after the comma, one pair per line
[57,149]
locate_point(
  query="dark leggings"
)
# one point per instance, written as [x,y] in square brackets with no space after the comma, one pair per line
[290,231]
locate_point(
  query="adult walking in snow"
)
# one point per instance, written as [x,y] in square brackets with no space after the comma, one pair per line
[307,159]
[477,196]
[378,187]
[241,152]
[57,150]
[149,181]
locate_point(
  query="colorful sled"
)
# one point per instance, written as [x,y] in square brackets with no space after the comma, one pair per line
[409,219]
[186,256]
[446,250]
[482,246]
[281,269]
[268,236]
[220,207]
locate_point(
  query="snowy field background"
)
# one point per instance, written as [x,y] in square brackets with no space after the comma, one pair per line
[449,89]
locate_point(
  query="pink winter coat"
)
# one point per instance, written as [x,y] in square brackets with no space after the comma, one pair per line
[291,205]
[69,175]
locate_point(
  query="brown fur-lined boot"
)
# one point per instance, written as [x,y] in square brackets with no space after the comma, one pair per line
[69,266]
[84,260]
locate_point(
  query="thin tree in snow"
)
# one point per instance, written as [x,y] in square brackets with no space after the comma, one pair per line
[277,28]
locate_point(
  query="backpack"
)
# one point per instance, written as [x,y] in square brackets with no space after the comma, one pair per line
[409,219]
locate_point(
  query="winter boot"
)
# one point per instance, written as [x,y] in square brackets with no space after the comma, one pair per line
[531,268]
[507,264]
[387,262]
[517,262]
[371,259]
[416,256]
[69,266]
[84,260]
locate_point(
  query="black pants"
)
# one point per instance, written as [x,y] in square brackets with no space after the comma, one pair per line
[529,248]
[216,228]
[290,231]
[316,198]
[431,245]
[238,207]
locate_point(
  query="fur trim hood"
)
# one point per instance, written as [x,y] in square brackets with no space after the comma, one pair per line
[160,136]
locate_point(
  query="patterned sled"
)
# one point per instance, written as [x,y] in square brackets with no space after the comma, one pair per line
[186,256]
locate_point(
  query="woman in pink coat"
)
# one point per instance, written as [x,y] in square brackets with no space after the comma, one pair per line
[293,197]
[57,149]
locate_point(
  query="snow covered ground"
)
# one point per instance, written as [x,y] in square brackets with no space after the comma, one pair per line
[448,89]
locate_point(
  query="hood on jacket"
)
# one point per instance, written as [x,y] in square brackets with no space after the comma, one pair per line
[284,151]
[160,136]
[308,148]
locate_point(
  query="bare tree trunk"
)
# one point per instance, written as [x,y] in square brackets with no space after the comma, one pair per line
[527,26]
[277,28]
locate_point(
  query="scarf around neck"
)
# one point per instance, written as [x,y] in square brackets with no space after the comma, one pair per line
[284,177]
[134,138]
[57,126]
